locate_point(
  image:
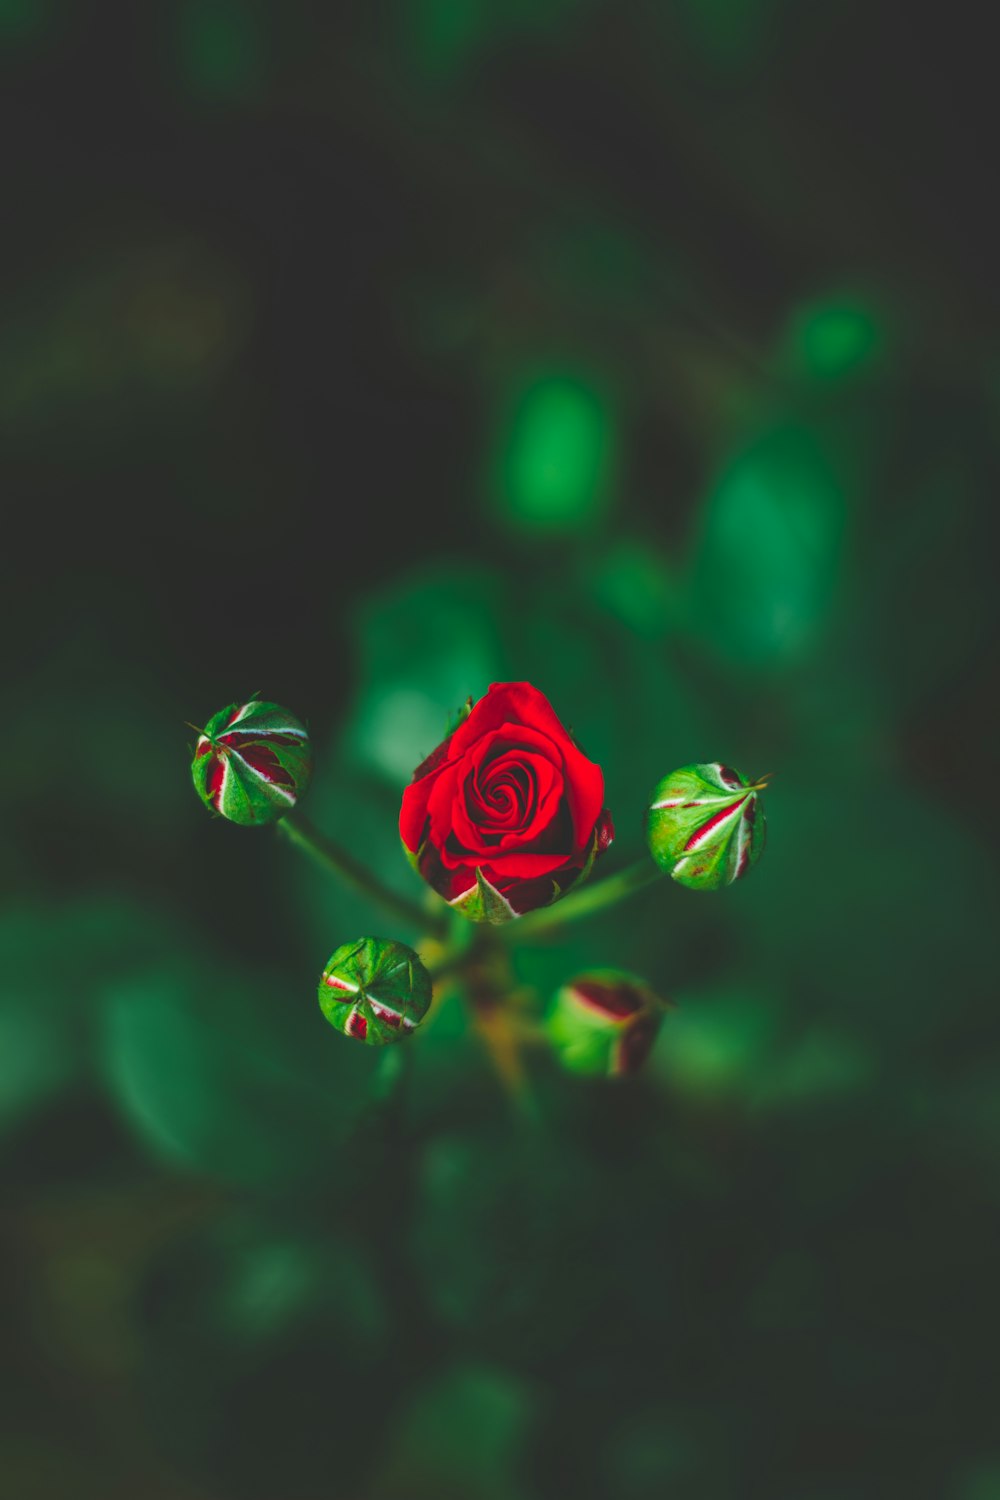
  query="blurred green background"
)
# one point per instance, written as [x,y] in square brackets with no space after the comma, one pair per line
[366,356]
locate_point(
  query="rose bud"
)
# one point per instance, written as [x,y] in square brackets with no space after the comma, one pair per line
[507,814]
[604,1022]
[252,762]
[705,826]
[376,990]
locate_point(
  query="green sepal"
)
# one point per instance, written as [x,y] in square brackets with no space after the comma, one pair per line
[482,902]
[413,860]
[199,775]
[458,717]
[375,990]
[705,825]
[583,873]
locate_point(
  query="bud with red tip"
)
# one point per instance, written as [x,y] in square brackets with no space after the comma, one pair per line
[252,762]
[376,990]
[604,1022]
[705,825]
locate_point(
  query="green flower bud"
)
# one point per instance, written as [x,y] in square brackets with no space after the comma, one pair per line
[376,990]
[252,762]
[604,1022]
[705,826]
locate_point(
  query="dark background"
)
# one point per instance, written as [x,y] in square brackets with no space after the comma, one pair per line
[362,357]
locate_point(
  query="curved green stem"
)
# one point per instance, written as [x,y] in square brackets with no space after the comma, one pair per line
[333,857]
[584,902]
[451,962]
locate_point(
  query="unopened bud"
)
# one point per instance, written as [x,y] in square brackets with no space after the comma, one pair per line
[604,1022]
[705,825]
[376,990]
[252,762]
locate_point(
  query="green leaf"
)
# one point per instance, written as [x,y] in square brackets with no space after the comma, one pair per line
[224,1073]
[770,549]
[719,1042]
[462,1435]
[57,962]
[837,337]
[556,459]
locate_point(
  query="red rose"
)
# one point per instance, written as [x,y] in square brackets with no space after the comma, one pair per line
[507,813]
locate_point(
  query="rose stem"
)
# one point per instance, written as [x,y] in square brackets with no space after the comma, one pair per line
[488,982]
[450,962]
[583,903]
[336,859]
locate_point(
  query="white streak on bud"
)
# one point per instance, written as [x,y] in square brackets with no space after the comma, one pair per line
[220,795]
[712,827]
[691,802]
[731,780]
[272,786]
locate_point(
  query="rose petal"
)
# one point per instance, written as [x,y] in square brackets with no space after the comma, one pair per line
[508,703]
[445,794]
[413,810]
[527,895]
[636,1045]
[509,781]
[481,828]
[549,830]
[502,793]
[584,793]
[511,735]
[517,704]
[449,883]
[523,866]
[511,746]
[621,999]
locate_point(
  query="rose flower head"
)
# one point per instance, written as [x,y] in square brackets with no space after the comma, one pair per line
[507,813]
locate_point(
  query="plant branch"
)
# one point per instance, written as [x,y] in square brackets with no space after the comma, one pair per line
[584,902]
[299,831]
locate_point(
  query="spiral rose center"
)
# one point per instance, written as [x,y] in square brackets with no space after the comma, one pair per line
[510,795]
[503,797]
